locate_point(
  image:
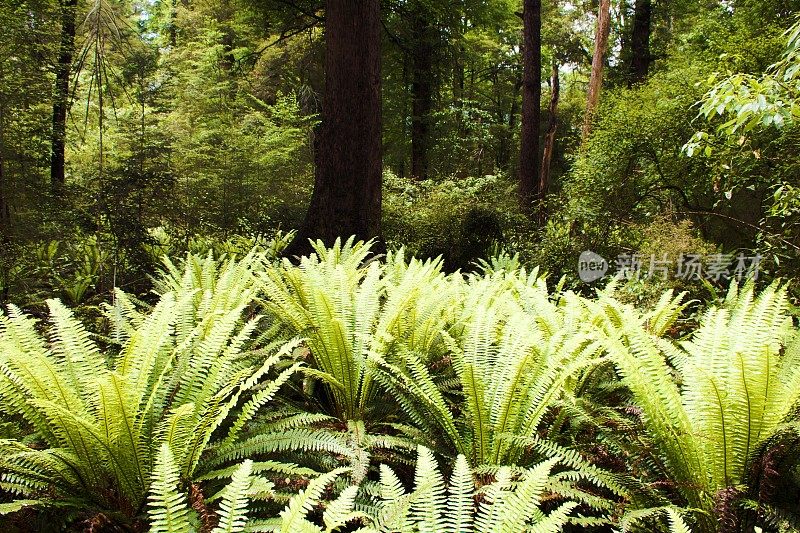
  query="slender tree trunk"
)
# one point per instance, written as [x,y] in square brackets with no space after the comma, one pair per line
[173,24]
[225,17]
[5,212]
[640,41]
[347,189]
[458,63]
[421,93]
[550,136]
[531,104]
[598,63]
[61,95]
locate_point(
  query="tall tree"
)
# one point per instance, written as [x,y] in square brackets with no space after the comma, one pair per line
[598,63]
[531,103]
[550,136]
[347,187]
[61,93]
[5,213]
[640,41]
[422,49]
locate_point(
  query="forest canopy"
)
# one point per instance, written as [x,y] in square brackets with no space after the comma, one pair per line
[128,124]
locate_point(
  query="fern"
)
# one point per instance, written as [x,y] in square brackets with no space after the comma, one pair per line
[514,352]
[168,509]
[510,506]
[740,379]
[180,373]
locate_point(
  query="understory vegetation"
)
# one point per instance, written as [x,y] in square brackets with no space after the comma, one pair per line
[344,394]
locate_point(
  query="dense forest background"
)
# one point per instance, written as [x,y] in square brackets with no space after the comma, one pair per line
[194,124]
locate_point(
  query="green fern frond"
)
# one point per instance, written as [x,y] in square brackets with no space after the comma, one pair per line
[168,510]
[233,507]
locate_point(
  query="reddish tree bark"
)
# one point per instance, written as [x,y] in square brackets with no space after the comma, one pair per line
[347,187]
[61,94]
[531,104]
[598,63]
[550,136]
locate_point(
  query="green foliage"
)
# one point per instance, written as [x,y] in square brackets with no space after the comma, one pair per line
[169,512]
[513,352]
[510,504]
[738,382]
[772,99]
[629,173]
[752,145]
[481,212]
[74,270]
[347,312]
[179,377]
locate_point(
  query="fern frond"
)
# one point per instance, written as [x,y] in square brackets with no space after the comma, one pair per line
[168,510]
[233,507]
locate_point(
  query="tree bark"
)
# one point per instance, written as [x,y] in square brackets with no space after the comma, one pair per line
[173,23]
[531,104]
[61,95]
[347,188]
[640,41]
[550,136]
[225,15]
[5,212]
[598,63]
[421,92]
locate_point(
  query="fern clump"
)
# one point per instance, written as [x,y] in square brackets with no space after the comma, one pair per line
[738,382]
[347,308]
[513,352]
[179,374]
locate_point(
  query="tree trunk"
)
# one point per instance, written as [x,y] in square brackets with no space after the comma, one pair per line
[550,136]
[640,41]
[598,62]
[61,95]
[347,188]
[531,104]
[225,15]
[505,149]
[5,212]
[421,93]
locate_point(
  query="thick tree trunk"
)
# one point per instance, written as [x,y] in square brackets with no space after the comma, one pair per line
[640,41]
[550,136]
[61,95]
[421,93]
[598,63]
[531,104]
[347,189]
